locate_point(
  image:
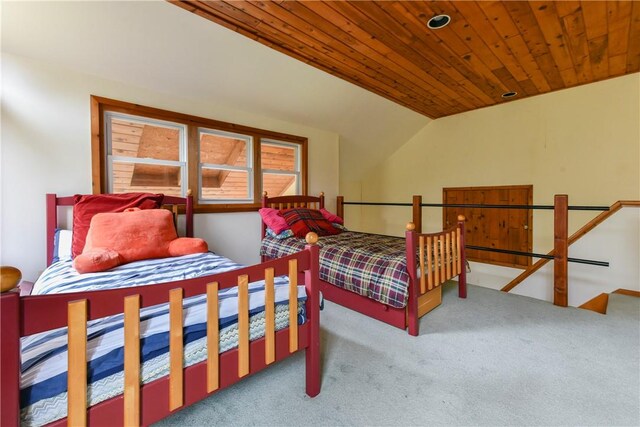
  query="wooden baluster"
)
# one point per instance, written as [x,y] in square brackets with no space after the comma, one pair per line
[436,262]
[288,205]
[243,325]
[77,363]
[270,317]
[176,345]
[280,205]
[429,263]
[447,252]
[442,259]
[213,338]
[132,360]
[293,305]
[423,273]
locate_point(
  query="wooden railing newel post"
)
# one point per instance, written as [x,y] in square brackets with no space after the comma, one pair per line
[561,249]
[340,206]
[417,213]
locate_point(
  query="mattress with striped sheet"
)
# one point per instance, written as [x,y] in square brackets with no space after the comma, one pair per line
[43,383]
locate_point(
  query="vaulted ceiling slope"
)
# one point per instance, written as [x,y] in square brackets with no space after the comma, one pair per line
[166,50]
[489,47]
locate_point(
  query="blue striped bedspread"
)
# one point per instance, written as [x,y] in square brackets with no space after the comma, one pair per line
[43,383]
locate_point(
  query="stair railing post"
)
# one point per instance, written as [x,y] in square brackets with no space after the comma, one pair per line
[340,206]
[561,249]
[417,213]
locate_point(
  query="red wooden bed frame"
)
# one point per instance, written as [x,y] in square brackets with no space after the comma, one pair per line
[23,316]
[420,299]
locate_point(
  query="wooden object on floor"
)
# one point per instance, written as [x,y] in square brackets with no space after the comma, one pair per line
[597,304]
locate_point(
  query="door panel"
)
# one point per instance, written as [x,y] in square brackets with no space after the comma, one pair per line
[499,228]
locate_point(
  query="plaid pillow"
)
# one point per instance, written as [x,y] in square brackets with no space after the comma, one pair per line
[303,221]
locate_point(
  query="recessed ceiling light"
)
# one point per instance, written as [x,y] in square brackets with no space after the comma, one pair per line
[438,21]
[509,94]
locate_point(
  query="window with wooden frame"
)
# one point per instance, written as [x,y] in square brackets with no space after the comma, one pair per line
[226,166]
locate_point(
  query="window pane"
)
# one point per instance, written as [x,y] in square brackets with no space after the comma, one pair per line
[130,138]
[278,157]
[224,184]
[223,150]
[279,184]
[136,177]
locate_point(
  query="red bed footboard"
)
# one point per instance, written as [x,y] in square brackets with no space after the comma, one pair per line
[442,257]
[156,400]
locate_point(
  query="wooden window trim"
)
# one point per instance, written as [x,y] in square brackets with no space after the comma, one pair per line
[98,155]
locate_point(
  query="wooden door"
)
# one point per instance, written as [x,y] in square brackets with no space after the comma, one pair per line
[499,228]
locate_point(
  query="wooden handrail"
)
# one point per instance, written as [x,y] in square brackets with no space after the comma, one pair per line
[572,239]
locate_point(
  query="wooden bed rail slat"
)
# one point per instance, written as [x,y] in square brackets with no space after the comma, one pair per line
[429,262]
[132,360]
[243,325]
[436,263]
[447,252]
[175,349]
[77,359]
[293,305]
[454,250]
[213,338]
[423,272]
[460,249]
[270,317]
[442,259]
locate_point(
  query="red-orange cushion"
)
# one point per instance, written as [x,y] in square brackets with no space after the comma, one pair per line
[86,206]
[96,260]
[133,235]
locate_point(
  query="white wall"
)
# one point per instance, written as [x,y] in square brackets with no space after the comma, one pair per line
[584,142]
[45,148]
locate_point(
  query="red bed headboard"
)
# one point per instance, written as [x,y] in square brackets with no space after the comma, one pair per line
[53,201]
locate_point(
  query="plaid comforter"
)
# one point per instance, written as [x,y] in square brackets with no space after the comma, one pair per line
[371,265]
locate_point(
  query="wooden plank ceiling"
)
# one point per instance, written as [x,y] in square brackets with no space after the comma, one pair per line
[489,48]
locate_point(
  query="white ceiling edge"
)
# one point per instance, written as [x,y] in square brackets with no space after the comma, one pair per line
[160,47]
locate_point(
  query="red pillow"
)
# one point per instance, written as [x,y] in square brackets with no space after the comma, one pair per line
[86,206]
[331,217]
[303,221]
[273,220]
